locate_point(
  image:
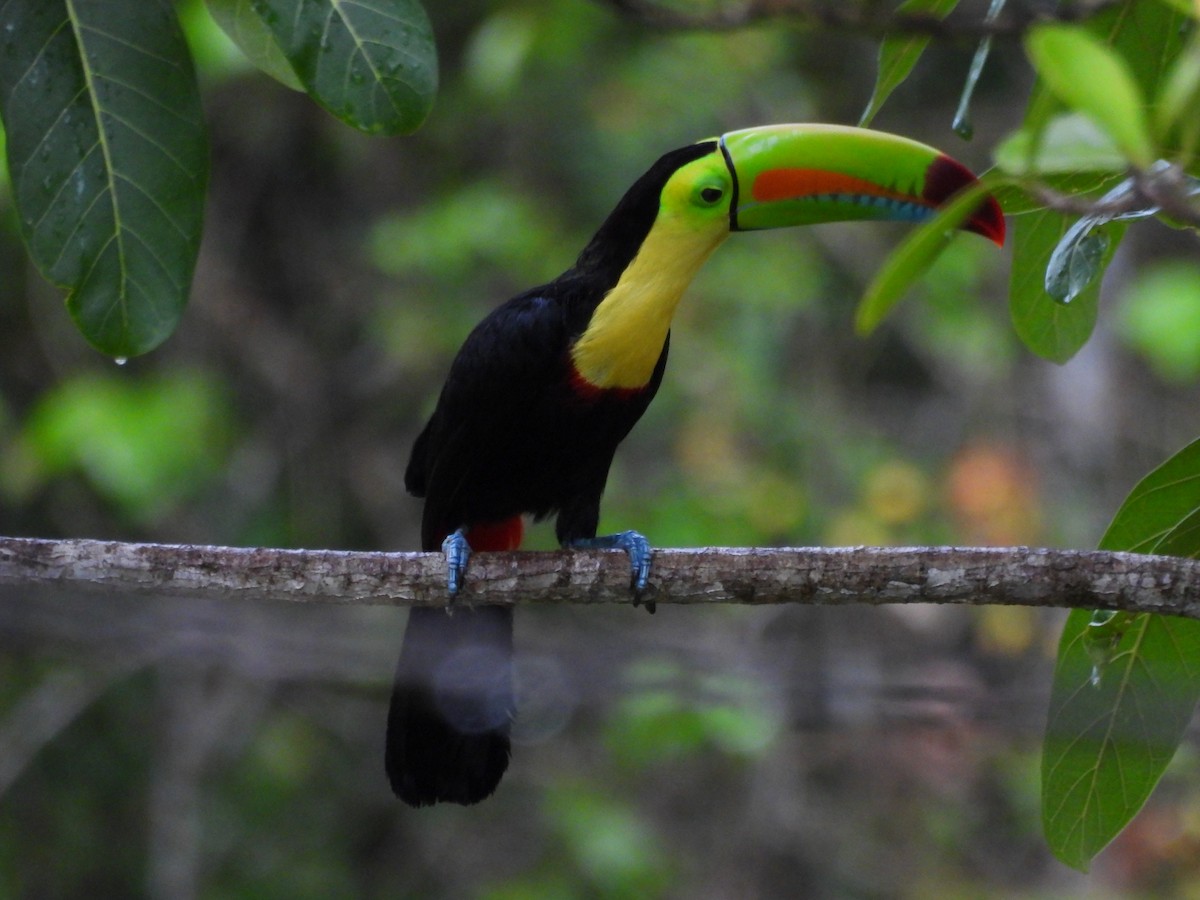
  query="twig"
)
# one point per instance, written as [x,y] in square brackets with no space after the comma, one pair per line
[873,575]
[1163,188]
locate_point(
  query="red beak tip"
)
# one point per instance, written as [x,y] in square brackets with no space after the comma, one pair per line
[989,222]
[944,178]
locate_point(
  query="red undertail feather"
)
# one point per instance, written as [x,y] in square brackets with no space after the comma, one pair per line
[505,535]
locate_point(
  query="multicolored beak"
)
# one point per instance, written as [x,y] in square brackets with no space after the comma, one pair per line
[786,175]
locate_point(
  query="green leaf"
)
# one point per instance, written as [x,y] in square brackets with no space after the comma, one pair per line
[245,28]
[898,55]
[1067,143]
[1180,94]
[1156,506]
[1185,7]
[371,63]
[1053,330]
[1090,77]
[1148,36]
[914,257]
[109,161]
[1178,106]
[1108,742]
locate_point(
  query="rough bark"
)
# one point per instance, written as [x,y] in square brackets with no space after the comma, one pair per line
[842,575]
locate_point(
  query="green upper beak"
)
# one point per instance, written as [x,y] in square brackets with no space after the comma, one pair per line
[787,175]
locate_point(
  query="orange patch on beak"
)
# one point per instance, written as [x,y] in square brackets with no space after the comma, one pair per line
[789,184]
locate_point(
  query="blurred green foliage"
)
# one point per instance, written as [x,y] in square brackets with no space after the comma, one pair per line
[1160,318]
[144,445]
[693,713]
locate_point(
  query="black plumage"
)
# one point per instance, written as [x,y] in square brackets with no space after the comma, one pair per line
[515,433]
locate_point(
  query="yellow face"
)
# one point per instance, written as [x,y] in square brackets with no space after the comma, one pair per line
[698,197]
[622,343]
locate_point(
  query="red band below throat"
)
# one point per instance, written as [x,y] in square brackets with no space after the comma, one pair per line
[588,391]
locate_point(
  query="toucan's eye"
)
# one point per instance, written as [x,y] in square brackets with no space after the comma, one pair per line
[711,195]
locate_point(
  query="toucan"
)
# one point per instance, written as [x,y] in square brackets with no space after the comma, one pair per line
[550,382]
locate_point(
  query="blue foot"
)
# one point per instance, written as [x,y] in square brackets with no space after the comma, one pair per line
[640,555]
[457,551]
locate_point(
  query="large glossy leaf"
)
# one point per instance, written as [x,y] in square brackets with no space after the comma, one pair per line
[1148,519]
[898,55]
[108,159]
[1116,721]
[246,28]
[1108,739]
[371,63]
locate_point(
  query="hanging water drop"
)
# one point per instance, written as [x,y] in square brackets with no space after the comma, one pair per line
[120,360]
[962,124]
[1102,639]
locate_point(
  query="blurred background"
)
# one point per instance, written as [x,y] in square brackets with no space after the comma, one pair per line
[175,750]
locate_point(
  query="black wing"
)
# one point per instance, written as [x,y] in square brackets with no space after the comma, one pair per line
[509,371]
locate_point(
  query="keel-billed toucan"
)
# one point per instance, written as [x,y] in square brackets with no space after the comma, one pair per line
[547,385]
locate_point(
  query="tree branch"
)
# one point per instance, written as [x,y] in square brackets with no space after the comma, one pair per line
[873,575]
[872,19]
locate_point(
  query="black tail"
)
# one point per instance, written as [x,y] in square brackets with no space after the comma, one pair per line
[452,705]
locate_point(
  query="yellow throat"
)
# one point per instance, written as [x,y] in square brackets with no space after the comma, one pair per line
[625,336]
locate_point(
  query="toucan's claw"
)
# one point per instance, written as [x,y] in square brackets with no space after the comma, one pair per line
[640,553]
[458,552]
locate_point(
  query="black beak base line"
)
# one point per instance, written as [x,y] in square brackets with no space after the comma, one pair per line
[733,198]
